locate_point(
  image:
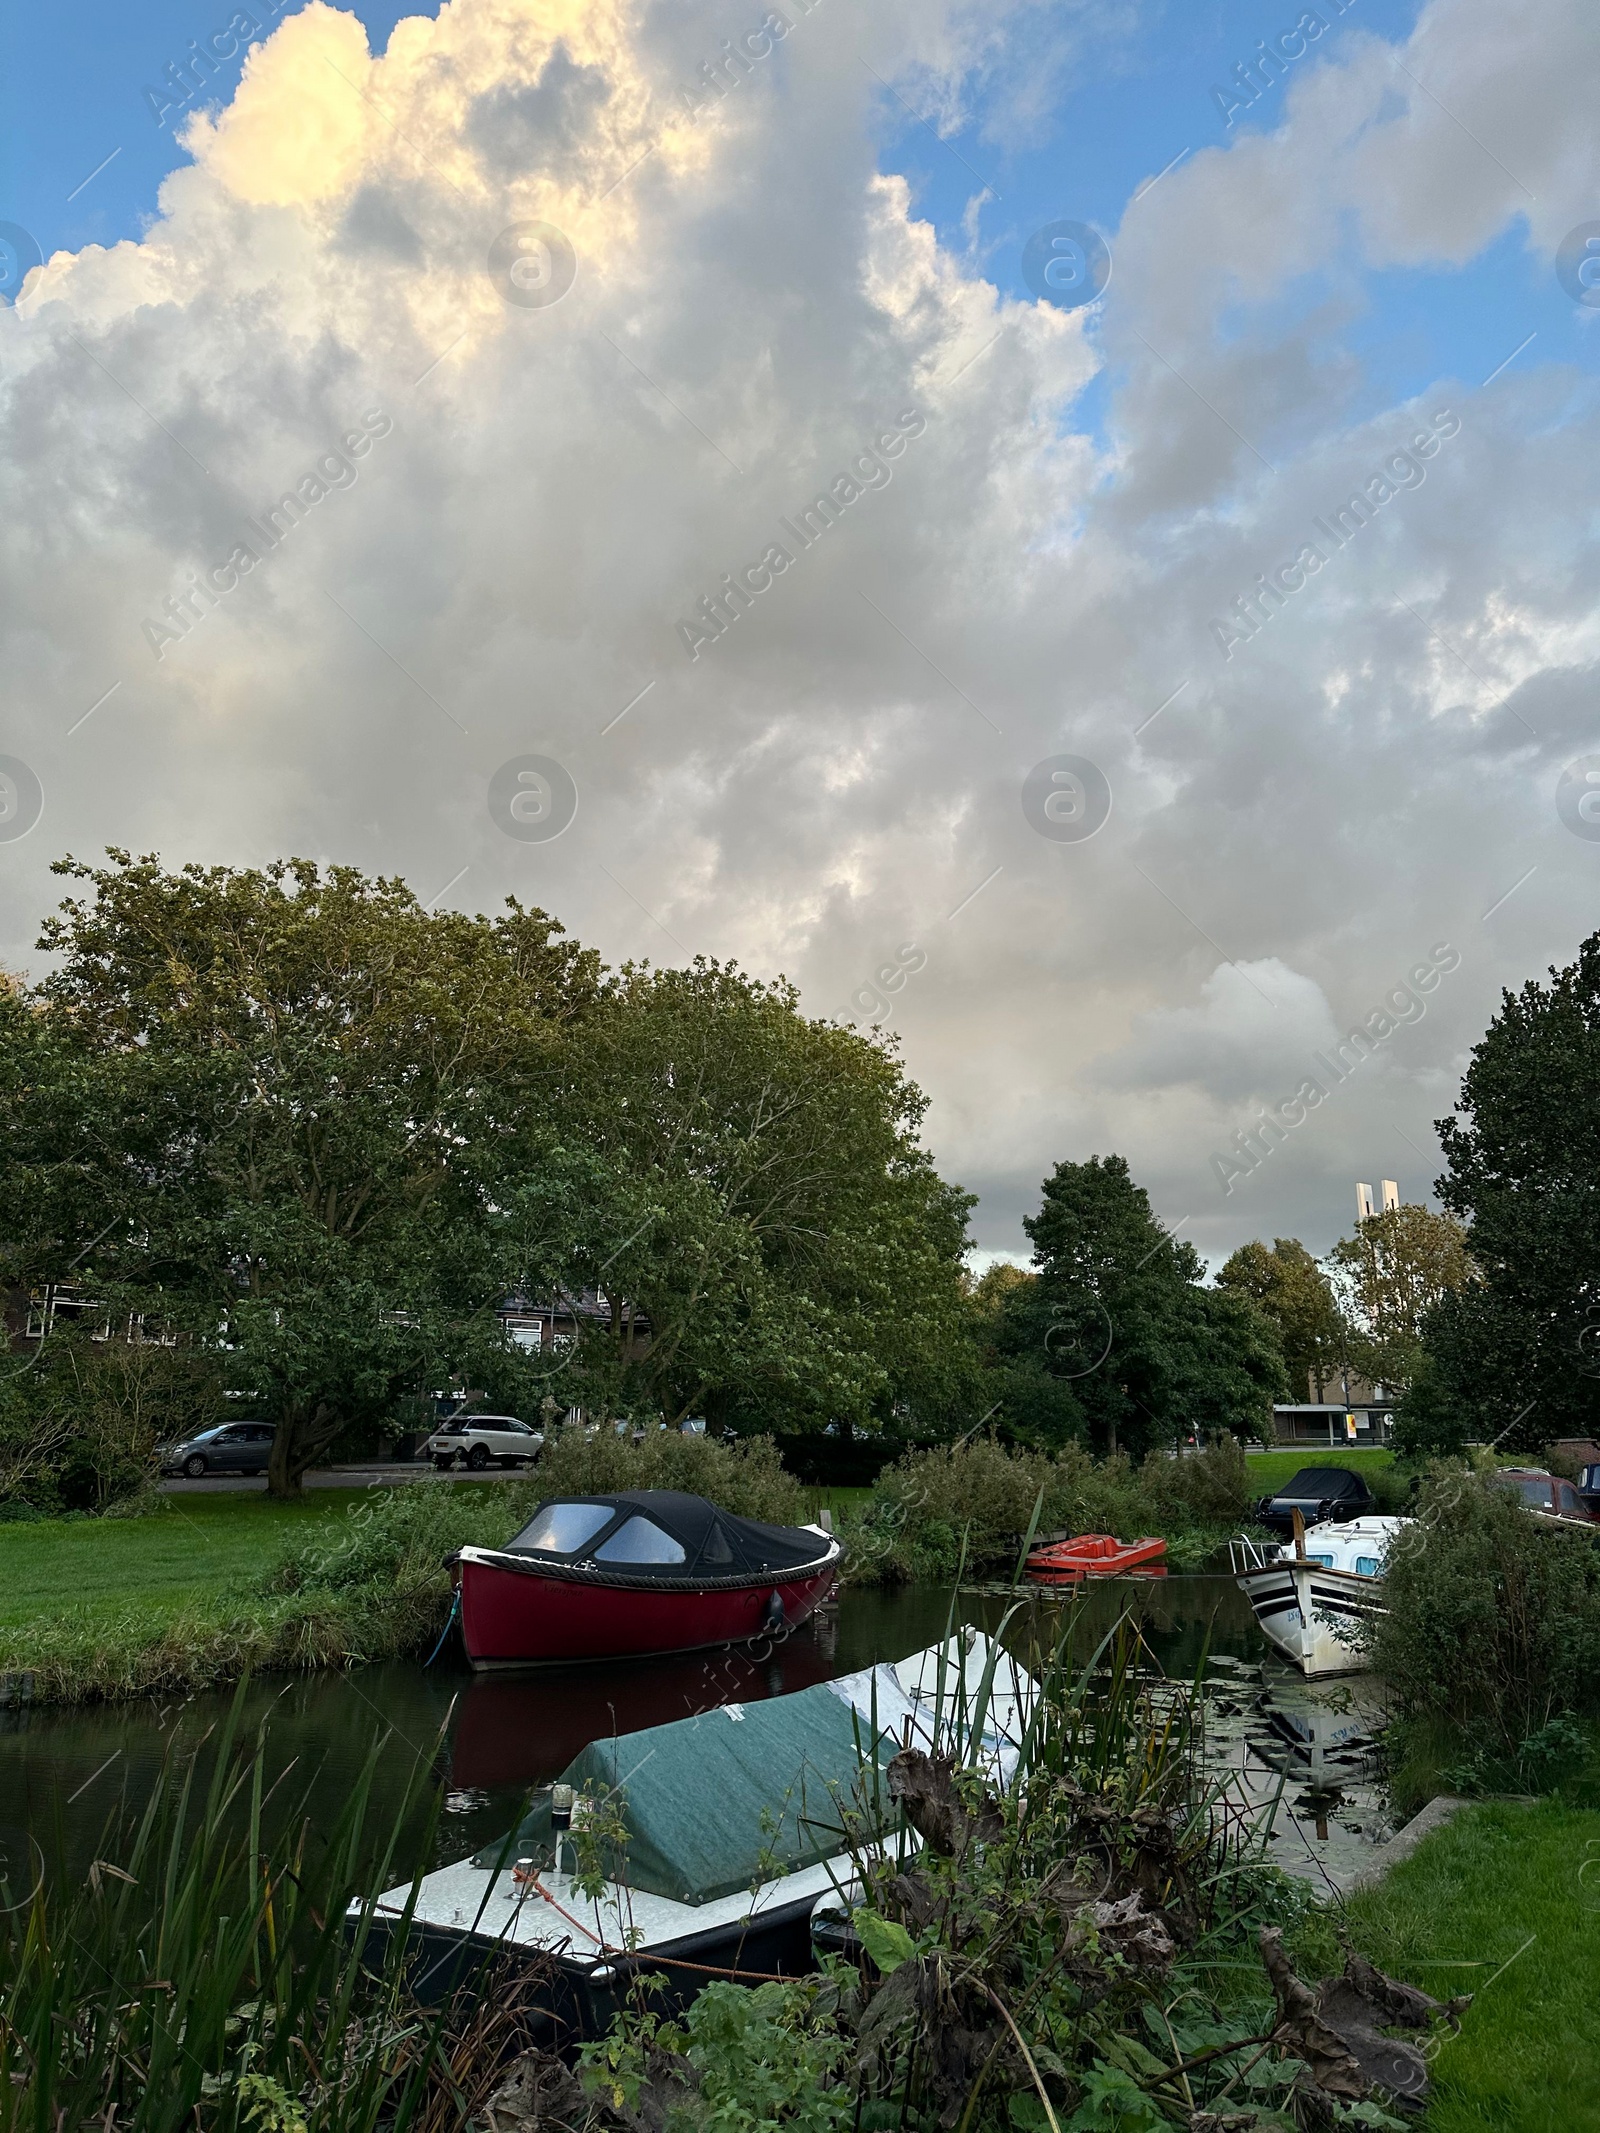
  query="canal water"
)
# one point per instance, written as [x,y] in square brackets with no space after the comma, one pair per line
[1298,1753]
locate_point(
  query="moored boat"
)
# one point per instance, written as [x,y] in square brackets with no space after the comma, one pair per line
[1309,1595]
[1095,1555]
[701,1848]
[640,1572]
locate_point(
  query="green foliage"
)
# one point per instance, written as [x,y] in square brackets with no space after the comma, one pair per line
[1517,1354]
[1116,1343]
[740,2061]
[1493,1620]
[1392,1275]
[1295,1294]
[743,1475]
[206,1973]
[80,1418]
[293,1104]
[979,1496]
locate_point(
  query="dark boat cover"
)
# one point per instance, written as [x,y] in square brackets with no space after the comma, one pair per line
[712,1541]
[723,1801]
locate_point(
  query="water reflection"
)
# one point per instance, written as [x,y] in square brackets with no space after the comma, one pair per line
[489,1739]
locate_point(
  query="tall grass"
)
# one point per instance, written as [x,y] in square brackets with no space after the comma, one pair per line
[972,1500]
[205,1973]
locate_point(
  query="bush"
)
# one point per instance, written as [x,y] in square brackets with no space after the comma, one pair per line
[80,1419]
[744,1475]
[982,1494]
[1493,1619]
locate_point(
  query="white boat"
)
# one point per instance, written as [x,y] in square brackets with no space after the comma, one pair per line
[735,1825]
[1308,1595]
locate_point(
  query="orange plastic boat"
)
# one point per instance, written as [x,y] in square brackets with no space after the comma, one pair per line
[1096,1555]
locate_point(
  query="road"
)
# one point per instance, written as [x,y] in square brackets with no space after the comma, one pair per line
[388,1473]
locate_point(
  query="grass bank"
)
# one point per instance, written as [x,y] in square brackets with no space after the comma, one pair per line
[1503,1902]
[1270,1470]
[205,1589]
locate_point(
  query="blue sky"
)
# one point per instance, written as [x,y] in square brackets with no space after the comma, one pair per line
[1305,814]
[1138,93]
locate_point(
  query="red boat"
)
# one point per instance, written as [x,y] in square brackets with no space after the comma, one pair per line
[1096,1555]
[638,1573]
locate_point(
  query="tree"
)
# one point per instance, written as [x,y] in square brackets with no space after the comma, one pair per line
[1393,1273]
[1117,1342]
[770,1208]
[322,1132]
[1519,1351]
[273,1110]
[1295,1294]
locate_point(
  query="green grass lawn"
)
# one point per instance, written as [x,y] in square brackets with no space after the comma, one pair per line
[1504,1902]
[1270,1470]
[195,1548]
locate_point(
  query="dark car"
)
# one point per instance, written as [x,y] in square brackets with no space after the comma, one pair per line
[1318,1493]
[234,1448]
[1541,1491]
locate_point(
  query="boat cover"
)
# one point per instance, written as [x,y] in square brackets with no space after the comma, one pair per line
[713,1540]
[724,1800]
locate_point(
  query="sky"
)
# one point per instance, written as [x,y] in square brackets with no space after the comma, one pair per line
[1173,726]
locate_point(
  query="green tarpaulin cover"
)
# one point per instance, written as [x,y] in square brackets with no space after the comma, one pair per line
[730,1798]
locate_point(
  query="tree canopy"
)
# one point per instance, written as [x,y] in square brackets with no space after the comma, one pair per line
[1290,1287]
[1517,1354]
[322,1132]
[1117,1342]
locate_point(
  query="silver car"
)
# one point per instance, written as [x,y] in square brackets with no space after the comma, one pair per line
[481,1441]
[231,1448]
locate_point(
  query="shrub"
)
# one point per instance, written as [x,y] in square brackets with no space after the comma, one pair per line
[982,1495]
[744,1475]
[1493,1619]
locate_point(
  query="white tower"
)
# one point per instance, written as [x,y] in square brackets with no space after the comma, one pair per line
[1391,1194]
[1364,1205]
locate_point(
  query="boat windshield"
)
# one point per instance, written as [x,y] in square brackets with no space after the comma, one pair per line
[563,1528]
[640,1540]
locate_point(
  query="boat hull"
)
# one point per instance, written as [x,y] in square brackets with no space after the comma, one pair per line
[1302,1607]
[516,1616]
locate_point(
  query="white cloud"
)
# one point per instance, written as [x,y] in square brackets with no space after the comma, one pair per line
[753,302]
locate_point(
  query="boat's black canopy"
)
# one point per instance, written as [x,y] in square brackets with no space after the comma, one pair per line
[1317,1481]
[662,1530]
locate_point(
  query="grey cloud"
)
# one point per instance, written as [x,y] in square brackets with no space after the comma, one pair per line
[1321,809]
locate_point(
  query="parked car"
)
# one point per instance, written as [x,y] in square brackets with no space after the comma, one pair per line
[1589,1490]
[1318,1493]
[481,1441]
[232,1448]
[1548,1493]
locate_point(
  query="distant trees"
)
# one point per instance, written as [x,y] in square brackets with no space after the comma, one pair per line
[1293,1291]
[1391,1276]
[1116,1342]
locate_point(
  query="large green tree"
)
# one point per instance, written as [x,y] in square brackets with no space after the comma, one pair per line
[771,1210]
[321,1132]
[1118,1342]
[1296,1295]
[1517,1354]
[275,1110]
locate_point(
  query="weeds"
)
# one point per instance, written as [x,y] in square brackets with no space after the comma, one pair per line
[979,1497]
[206,1974]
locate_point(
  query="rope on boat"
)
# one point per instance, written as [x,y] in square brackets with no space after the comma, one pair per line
[449,1624]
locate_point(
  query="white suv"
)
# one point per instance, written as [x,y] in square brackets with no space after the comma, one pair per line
[480,1441]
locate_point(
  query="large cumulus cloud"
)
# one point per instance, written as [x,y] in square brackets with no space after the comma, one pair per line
[544,496]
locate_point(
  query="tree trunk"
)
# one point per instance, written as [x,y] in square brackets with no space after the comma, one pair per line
[283,1475]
